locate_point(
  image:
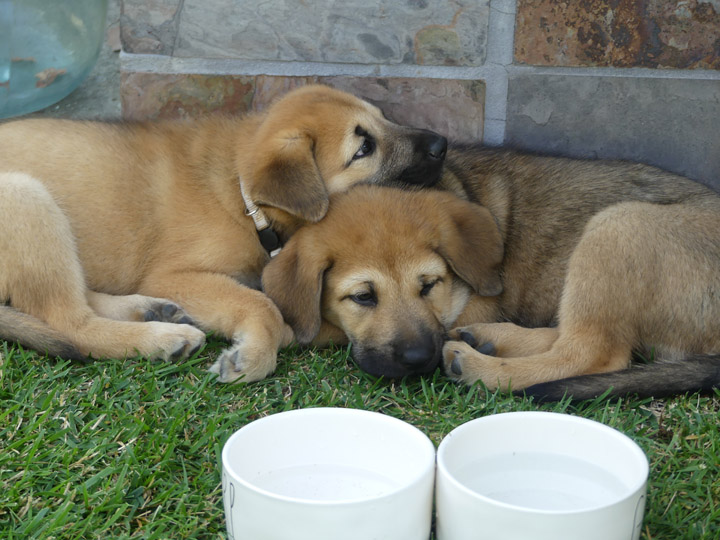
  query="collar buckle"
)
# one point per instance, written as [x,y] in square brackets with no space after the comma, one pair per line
[267,236]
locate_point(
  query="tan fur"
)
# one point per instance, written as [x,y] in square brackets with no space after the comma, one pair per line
[101,223]
[600,260]
[406,250]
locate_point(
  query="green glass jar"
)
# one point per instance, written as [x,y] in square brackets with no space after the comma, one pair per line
[47,48]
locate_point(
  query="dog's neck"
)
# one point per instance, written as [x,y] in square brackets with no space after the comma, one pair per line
[449,181]
[266,234]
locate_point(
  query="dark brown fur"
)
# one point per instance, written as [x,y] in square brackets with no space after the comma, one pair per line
[600,261]
[617,258]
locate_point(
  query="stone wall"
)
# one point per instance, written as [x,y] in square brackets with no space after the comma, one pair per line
[599,78]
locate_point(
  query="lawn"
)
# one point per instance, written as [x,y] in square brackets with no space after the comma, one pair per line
[131,449]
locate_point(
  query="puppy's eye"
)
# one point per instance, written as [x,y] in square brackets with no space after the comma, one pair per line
[427,287]
[364,299]
[367,148]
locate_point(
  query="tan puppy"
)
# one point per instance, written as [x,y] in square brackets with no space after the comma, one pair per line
[390,269]
[103,222]
[582,264]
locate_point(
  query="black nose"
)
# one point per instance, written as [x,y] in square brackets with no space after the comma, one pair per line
[416,355]
[427,160]
[437,147]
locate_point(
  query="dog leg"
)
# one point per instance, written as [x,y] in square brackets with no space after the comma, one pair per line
[41,275]
[597,324]
[136,307]
[569,356]
[505,339]
[641,275]
[218,303]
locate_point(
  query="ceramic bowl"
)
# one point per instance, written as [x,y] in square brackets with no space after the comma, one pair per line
[539,475]
[328,474]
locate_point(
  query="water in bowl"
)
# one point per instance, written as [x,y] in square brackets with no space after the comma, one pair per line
[542,481]
[325,483]
[47,48]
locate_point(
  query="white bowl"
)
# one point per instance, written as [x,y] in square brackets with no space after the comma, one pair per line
[328,474]
[539,476]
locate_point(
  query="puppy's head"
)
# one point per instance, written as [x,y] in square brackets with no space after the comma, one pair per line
[392,269]
[316,141]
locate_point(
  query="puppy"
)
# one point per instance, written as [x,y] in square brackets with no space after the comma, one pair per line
[108,228]
[585,264]
[389,270]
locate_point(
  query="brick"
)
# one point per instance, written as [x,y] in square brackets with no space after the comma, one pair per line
[619,33]
[152,96]
[454,108]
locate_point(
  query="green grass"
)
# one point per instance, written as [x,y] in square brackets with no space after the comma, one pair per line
[131,449]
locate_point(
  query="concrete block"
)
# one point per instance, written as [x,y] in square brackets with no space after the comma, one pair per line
[669,123]
[149,26]
[442,32]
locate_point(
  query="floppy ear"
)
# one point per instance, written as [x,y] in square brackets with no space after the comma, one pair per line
[287,177]
[471,243]
[293,280]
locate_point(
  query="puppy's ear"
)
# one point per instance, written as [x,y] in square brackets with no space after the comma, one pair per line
[287,177]
[293,280]
[471,243]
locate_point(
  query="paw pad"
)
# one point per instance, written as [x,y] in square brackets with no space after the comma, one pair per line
[455,366]
[486,348]
[468,338]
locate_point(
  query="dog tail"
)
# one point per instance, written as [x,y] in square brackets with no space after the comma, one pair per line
[19,327]
[698,373]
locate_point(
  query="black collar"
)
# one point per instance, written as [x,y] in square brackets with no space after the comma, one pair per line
[269,240]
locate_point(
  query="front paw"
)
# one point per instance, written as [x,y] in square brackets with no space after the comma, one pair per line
[464,364]
[244,362]
[253,354]
[170,341]
[474,336]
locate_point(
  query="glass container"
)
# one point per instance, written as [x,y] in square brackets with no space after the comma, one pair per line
[47,48]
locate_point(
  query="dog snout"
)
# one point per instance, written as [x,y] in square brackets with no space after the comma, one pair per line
[410,356]
[419,355]
[428,156]
[433,145]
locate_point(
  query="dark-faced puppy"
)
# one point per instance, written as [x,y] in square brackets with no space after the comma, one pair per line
[388,269]
[558,271]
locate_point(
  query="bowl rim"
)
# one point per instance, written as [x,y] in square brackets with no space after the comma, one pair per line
[633,447]
[424,445]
